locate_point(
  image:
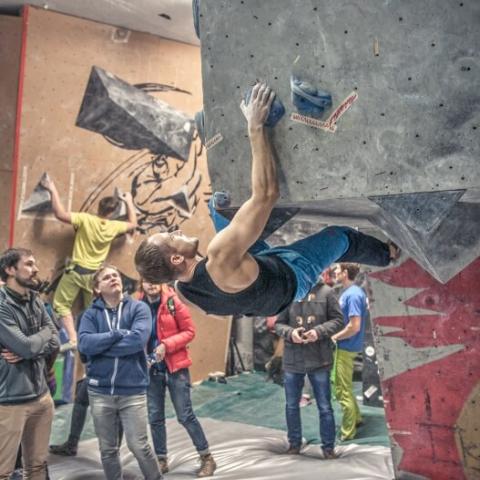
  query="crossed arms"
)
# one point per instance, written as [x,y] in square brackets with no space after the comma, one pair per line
[115,343]
[16,346]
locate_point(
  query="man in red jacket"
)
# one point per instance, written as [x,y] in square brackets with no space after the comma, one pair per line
[173,329]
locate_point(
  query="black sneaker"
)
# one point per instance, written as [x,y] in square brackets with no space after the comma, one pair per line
[67,449]
[395,252]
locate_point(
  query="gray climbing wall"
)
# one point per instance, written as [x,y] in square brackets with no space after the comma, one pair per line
[414,128]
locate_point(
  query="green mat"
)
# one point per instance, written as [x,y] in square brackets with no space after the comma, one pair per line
[249,399]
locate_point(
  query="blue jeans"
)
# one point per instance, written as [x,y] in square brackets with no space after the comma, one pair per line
[178,385]
[129,411]
[293,383]
[309,257]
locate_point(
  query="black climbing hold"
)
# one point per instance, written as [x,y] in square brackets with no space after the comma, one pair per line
[277,110]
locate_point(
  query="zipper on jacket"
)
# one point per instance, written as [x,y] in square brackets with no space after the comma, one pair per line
[115,362]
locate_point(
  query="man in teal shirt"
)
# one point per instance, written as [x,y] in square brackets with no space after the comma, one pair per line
[353,303]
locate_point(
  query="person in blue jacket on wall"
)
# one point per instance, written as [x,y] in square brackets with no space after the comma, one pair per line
[113,335]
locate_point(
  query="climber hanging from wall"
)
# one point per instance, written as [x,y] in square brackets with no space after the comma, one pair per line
[240,274]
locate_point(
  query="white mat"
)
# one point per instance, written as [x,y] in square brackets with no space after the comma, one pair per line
[241,452]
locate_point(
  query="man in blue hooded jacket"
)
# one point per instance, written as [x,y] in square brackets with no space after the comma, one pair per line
[113,334]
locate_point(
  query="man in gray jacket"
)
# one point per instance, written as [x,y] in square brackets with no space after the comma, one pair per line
[307,327]
[27,336]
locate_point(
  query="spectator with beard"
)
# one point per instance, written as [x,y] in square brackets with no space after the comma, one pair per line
[27,337]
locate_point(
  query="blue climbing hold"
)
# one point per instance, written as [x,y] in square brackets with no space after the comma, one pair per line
[196,16]
[277,110]
[200,124]
[309,100]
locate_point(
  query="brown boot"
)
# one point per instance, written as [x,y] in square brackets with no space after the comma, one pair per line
[207,467]
[293,450]
[163,464]
[330,454]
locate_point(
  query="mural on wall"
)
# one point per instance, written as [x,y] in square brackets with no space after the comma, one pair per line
[431,374]
[163,173]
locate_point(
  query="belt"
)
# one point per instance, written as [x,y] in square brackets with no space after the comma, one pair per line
[79,269]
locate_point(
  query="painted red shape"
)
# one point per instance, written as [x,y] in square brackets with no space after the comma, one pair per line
[424,403]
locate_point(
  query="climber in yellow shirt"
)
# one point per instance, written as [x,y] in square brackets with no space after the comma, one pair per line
[93,237]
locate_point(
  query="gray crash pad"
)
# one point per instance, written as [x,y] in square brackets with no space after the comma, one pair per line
[241,451]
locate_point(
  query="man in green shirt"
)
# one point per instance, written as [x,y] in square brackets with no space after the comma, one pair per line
[93,238]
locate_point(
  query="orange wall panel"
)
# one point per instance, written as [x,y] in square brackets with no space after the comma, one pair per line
[87,165]
[10,43]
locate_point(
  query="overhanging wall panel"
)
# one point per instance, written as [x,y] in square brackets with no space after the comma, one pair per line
[86,166]
[10,42]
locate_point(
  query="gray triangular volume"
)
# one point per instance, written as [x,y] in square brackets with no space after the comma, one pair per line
[133,119]
[422,212]
[180,201]
[40,199]
[121,211]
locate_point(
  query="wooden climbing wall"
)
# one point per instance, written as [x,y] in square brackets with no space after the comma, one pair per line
[10,42]
[169,190]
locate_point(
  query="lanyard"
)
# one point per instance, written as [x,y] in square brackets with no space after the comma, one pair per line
[109,322]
